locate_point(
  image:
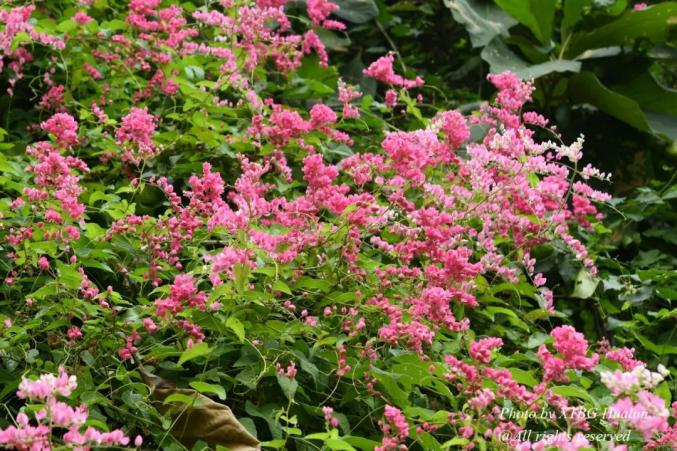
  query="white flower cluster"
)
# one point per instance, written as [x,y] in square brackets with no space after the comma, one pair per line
[573,152]
[628,382]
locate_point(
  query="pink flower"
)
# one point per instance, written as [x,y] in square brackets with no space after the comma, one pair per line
[648,415]
[290,371]
[82,18]
[43,263]
[395,428]
[513,93]
[321,115]
[640,6]
[480,350]
[319,10]
[625,357]
[311,41]
[135,135]
[149,325]
[382,70]
[454,126]
[329,416]
[64,128]
[391,98]
[74,333]
[47,386]
[572,346]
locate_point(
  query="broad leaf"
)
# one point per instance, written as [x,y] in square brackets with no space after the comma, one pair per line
[236,326]
[356,11]
[585,87]
[537,15]
[197,350]
[573,13]
[585,285]
[483,22]
[652,23]
[501,58]
[204,387]
[649,94]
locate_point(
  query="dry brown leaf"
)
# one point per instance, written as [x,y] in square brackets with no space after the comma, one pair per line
[206,420]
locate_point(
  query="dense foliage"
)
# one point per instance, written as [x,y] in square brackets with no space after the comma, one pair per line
[607,71]
[197,206]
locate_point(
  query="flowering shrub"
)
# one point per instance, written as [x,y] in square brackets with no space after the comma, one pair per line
[198,195]
[55,415]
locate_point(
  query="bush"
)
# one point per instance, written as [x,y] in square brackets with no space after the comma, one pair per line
[197,207]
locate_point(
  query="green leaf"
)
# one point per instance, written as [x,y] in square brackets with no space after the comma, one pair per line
[523,377]
[585,87]
[180,398]
[537,15]
[338,445]
[194,72]
[652,23]
[288,385]
[585,285]
[570,391]
[649,94]
[537,339]
[275,444]
[573,13]
[66,26]
[491,311]
[501,58]
[314,284]
[662,124]
[197,350]
[278,285]
[663,390]
[661,349]
[391,388]
[68,275]
[204,387]
[236,326]
[360,442]
[455,442]
[483,22]
[356,11]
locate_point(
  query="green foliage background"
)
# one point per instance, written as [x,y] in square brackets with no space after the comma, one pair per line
[601,69]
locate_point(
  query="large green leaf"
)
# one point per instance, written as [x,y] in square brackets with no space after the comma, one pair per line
[652,23]
[356,11]
[649,94]
[573,13]
[537,15]
[501,58]
[662,124]
[197,350]
[585,87]
[585,285]
[483,22]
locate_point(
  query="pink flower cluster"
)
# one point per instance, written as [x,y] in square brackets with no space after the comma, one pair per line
[480,350]
[55,415]
[572,347]
[64,128]
[647,415]
[329,416]
[395,429]
[382,70]
[55,181]
[17,20]
[135,136]
[319,10]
